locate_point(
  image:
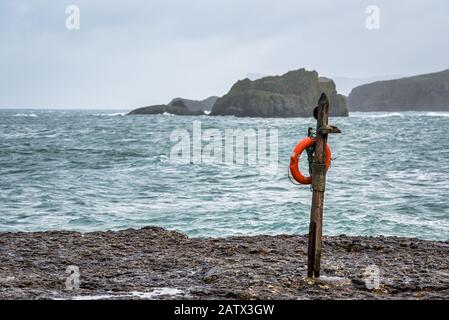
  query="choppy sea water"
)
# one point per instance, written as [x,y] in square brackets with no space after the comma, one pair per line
[99,170]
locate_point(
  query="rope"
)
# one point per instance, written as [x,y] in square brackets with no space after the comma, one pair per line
[310,151]
[290,178]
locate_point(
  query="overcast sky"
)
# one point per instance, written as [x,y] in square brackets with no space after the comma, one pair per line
[133,53]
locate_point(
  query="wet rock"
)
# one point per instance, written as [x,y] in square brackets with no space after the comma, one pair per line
[213,274]
[114,264]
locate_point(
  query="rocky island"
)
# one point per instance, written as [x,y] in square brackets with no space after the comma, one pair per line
[427,92]
[197,105]
[293,94]
[178,106]
[153,263]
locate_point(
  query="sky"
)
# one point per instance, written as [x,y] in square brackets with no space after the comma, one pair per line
[133,53]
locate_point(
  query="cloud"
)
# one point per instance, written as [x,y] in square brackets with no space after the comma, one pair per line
[135,53]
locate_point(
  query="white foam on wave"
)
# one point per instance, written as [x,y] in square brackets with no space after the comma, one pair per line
[134,294]
[168,114]
[111,114]
[25,115]
[437,114]
[397,114]
[95,297]
[157,292]
[375,115]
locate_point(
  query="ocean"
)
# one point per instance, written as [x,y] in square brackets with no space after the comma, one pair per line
[92,170]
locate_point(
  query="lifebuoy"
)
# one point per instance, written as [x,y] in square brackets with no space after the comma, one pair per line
[294,159]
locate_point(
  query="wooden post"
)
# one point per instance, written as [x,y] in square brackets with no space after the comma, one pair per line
[321,114]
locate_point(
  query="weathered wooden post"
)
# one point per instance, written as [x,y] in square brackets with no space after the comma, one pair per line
[321,114]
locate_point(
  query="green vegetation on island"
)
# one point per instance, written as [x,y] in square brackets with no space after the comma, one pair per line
[293,94]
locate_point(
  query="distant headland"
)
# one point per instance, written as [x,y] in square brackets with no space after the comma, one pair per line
[427,92]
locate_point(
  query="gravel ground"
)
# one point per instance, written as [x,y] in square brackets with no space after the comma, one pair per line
[152,263]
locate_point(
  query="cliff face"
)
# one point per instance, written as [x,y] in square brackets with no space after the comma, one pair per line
[428,92]
[293,94]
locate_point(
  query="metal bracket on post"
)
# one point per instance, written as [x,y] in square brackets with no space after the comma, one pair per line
[328,129]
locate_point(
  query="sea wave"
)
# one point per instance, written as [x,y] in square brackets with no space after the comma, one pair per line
[71,170]
[25,115]
[375,115]
[111,114]
[437,114]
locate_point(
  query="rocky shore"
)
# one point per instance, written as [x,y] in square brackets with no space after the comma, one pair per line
[152,263]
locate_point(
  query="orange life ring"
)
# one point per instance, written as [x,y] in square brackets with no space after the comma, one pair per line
[294,160]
